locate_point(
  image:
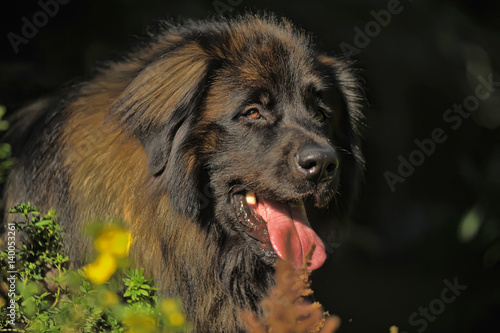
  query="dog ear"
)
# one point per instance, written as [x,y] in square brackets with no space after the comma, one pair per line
[162,97]
[345,92]
[347,98]
[159,107]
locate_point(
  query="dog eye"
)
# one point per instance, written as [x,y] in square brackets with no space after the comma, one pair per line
[320,115]
[252,113]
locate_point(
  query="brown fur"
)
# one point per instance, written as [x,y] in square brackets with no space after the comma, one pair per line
[148,140]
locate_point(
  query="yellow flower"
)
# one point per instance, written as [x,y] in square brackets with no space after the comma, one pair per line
[171,308]
[169,305]
[101,269]
[176,319]
[140,323]
[115,241]
[108,298]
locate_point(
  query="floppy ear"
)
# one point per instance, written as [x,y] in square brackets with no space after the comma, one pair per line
[347,98]
[346,92]
[158,107]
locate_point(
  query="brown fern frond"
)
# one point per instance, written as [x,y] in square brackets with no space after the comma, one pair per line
[285,310]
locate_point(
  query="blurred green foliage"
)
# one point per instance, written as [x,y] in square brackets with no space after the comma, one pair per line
[50,297]
[6,160]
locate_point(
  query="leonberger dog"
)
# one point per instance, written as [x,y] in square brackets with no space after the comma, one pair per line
[221,143]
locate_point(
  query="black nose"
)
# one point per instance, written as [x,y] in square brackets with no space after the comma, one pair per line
[317,162]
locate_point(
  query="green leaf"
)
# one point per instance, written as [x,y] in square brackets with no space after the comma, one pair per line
[469,225]
[43,222]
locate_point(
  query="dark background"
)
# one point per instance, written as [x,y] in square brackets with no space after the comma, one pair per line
[442,222]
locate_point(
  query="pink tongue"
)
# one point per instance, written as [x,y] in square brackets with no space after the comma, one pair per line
[283,219]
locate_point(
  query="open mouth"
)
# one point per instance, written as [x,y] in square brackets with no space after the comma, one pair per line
[279,226]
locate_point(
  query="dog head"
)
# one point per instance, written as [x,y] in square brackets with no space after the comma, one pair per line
[246,124]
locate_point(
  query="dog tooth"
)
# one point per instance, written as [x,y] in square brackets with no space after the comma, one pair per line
[251,199]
